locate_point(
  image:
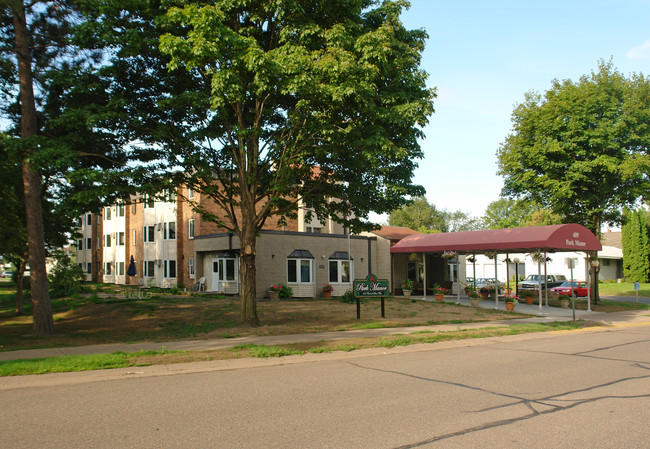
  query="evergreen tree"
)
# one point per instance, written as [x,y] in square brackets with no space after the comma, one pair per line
[636,246]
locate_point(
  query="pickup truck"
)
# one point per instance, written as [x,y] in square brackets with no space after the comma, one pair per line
[533,281]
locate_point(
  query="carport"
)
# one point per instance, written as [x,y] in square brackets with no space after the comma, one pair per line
[537,239]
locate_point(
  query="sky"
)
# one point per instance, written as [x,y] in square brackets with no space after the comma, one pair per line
[483,56]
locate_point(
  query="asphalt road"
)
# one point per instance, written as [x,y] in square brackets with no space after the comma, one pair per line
[570,390]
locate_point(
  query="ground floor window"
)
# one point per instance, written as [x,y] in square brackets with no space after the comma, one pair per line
[339,271]
[191,267]
[148,268]
[299,270]
[120,269]
[108,269]
[169,269]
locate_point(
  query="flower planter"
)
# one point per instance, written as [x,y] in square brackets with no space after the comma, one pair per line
[473,302]
[529,300]
[564,303]
[510,306]
[484,296]
[406,293]
[327,295]
[439,297]
[274,295]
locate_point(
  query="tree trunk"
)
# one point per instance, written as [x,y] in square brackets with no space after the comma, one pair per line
[248,274]
[42,309]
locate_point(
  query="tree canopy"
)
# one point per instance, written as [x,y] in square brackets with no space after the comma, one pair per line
[581,149]
[511,213]
[419,215]
[270,106]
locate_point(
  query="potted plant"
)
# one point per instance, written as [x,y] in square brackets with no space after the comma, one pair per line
[407,287]
[484,293]
[529,296]
[439,292]
[327,291]
[274,291]
[473,297]
[510,301]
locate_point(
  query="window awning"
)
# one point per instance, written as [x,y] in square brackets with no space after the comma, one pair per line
[565,237]
[300,254]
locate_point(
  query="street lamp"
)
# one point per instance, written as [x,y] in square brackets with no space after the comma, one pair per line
[516,262]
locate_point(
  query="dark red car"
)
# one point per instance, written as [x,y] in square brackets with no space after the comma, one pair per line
[579,288]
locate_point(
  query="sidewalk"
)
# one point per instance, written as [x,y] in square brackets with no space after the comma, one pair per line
[547,314]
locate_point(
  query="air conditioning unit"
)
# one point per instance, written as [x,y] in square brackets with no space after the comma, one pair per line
[159,226]
[159,262]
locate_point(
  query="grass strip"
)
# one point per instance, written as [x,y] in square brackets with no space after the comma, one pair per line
[73,363]
[145,358]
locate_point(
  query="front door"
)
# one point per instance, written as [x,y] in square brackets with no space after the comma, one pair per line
[224,275]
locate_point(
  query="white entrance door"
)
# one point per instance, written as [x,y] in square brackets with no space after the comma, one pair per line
[225,275]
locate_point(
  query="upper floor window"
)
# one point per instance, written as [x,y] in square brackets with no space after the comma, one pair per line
[107,240]
[190,230]
[89,243]
[89,219]
[80,244]
[107,213]
[148,233]
[169,230]
[190,193]
[148,202]
[120,238]
[120,210]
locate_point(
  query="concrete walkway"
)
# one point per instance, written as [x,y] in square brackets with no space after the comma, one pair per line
[548,314]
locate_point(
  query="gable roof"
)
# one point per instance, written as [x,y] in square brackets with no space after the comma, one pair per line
[572,237]
[395,232]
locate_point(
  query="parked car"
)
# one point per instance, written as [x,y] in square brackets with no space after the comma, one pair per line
[579,289]
[488,282]
[5,274]
[536,281]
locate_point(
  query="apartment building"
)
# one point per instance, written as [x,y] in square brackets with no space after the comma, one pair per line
[172,245]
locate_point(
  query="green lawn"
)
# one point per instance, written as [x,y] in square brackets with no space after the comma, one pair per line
[623,289]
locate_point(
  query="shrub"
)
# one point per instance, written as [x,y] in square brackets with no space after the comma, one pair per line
[285,292]
[66,277]
[348,297]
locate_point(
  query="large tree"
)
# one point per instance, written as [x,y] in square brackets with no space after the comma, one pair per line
[313,102]
[53,108]
[511,213]
[581,150]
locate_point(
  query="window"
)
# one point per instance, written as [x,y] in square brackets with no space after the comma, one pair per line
[148,202]
[107,269]
[89,243]
[89,219]
[300,267]
[169,269]
[314,230]
[120,210]
[99,241]
[148,267]
[89,268]
[107,240]
[190,263]
[169,231]
[190,231]
[190,193]
[339,271]
[80,244]
[107,213]
[133,208]
[120,269]
[134,237]
[120,239]
[148,233]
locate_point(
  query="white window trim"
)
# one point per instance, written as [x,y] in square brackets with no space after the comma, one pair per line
[190,228]
[166,268]
[340,263]
[145,272]
[190,265]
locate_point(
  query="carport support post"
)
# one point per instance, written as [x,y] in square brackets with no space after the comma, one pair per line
[458,278]
[424,268]
[545,280]
[539,278]
[496,283]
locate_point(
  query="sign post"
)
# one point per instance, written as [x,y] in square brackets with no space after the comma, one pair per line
[370,287]
[637,287]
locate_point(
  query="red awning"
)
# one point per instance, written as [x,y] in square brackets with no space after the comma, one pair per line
[566,237]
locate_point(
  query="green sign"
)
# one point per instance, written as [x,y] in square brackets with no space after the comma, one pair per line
[370,286]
